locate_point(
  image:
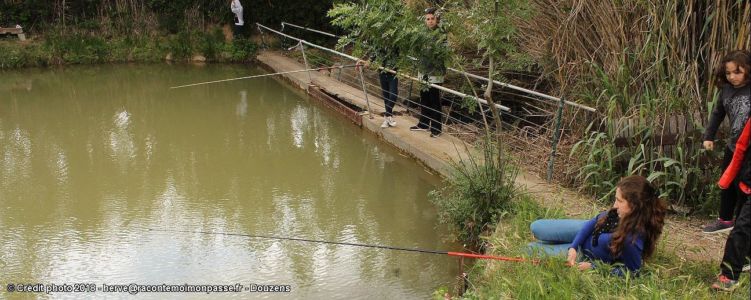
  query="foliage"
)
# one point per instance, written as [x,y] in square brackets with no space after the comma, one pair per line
[242,50]
[85,48]
[170,16]
[378,26]
[678,174]
[489,27]
[77,48]
[598,170]
[181,45]
[478,193]
[15,56]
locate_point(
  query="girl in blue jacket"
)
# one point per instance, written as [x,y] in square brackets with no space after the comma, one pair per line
[624,235]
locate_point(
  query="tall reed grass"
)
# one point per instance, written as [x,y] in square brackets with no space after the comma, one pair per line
[638,62]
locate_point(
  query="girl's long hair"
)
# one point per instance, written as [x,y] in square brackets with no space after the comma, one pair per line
[741,58]
[646,219]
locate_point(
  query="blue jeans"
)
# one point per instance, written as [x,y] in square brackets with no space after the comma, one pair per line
[390,90]
[554,236]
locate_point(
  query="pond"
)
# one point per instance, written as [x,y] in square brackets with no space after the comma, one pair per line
[107,176]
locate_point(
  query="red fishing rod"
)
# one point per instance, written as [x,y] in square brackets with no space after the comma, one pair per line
[449,253]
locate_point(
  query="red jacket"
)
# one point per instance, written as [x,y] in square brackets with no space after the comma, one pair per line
[736,165]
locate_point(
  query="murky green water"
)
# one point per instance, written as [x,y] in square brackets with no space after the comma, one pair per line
[91,158]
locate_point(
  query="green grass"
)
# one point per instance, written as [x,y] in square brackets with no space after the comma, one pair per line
[665,276]
[82,48]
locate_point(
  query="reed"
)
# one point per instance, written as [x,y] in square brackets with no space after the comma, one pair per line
[638,62]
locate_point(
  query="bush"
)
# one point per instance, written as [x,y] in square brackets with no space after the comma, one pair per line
[211,43]
[478,193]
[242,50]
[181,45]
[77,48]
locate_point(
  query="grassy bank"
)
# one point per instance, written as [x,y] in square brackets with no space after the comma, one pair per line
[664,276]
[56,48]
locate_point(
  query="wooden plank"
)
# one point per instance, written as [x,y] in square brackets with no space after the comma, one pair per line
[11,30]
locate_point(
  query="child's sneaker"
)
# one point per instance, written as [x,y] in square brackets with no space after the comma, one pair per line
[725,284]
[385,123]
[391,121]
[718,226]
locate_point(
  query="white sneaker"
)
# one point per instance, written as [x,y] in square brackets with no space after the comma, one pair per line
[746,268]
[391,121]
[385,123]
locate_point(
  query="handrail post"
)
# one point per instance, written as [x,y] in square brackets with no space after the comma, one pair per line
[556,137]
[365,92]
[283,42]
[263,40]
[409,96]
[305,59]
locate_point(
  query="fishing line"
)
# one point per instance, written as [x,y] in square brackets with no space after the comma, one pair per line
[459,254]
[259,76]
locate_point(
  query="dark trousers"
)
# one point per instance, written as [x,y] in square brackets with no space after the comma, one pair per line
[238,31]
[390,90]
[430,110]
[738,243]
[730,206]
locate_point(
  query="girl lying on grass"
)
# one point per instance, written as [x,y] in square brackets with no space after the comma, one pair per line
[624,235]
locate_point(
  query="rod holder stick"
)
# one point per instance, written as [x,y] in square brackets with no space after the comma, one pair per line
[263,40]
[556,138]
[410,90]
[305,59]
[365,92]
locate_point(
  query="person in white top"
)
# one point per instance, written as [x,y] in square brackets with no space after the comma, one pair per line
[237,9]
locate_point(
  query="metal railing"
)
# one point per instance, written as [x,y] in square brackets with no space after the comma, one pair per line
[473,76]
[444,89]
[513,90]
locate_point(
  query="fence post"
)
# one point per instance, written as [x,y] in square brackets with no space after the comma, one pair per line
[410,92]
[339,76]
[365,91]
[263,40]
[305,59]
[283,42]
[556,138]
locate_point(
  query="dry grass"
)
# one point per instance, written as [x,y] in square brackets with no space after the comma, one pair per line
[654,41]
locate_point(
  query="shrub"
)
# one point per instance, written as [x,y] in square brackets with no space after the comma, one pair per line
[478,193]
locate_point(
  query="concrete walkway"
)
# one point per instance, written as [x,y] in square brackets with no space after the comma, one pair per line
[681,235]
[436,153]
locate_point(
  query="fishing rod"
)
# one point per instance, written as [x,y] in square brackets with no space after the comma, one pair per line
[449,253]
[259,76]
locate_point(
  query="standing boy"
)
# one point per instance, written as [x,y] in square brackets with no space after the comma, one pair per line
[432,69]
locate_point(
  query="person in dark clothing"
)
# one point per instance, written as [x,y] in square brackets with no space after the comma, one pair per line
[735,103]
[624,235]
[737,174]
[432,69]
[390,91]
[389,82]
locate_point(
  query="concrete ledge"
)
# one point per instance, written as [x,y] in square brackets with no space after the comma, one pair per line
[437,154]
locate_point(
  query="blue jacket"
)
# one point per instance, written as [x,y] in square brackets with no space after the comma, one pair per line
[631,254]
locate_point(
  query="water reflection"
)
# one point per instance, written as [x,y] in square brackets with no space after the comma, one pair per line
[242,107]
[93,157]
